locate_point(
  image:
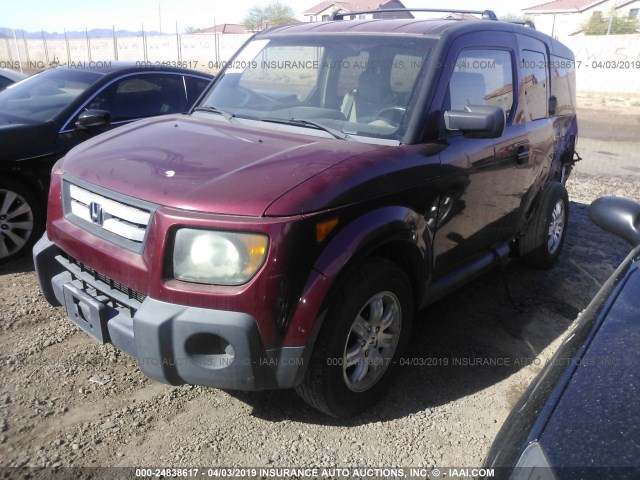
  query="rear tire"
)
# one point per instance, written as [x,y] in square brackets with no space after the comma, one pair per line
[542,243]
[364,333]
[21,219]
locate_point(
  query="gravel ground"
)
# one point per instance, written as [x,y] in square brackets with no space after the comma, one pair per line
[53,413]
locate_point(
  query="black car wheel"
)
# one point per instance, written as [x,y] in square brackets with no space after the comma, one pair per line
[541,244]
[365,331]
[21,219]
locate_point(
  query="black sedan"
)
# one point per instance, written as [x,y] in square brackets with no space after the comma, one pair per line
[9,77]
[44,116]
[580,418]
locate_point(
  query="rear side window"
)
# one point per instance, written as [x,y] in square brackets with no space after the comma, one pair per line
[140,96]
[481,77]
[563,84]
[534,73]
[4,83]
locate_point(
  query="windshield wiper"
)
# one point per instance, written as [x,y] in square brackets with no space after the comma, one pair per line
[209,108]
[300,122]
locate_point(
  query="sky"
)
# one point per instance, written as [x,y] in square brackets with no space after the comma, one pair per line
[56,15]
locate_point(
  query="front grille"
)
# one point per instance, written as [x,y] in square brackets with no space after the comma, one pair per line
[101,287]
[117,218]
[113,216]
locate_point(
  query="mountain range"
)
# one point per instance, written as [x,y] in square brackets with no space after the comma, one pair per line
[93,33]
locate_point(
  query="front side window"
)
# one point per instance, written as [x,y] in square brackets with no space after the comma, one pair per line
[42,97]
[481,77]
[359,86]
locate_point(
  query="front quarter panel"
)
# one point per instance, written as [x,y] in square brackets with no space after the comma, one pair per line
[361,237]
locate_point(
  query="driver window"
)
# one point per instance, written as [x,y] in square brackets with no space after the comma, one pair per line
[481,77]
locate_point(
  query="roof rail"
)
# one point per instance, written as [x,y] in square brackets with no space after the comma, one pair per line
[526,23]
[486,14]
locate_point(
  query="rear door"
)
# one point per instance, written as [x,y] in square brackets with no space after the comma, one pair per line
[531,158]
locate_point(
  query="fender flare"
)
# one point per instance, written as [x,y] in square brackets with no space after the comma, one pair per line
[358,239]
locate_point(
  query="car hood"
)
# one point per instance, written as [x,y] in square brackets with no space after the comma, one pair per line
[20,141]
[205,165]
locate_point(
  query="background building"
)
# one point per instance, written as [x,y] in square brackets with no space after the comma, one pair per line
[562,18]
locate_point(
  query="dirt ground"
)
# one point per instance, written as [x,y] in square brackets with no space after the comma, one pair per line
[52,413]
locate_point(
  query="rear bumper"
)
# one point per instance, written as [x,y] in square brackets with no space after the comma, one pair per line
[172,343]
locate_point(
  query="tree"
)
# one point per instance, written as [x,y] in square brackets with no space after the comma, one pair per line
[279,14]
[192,29]
[620,24]
[512,17]
[259,18]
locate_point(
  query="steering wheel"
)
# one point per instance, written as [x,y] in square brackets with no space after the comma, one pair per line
[396,114]
[249,94]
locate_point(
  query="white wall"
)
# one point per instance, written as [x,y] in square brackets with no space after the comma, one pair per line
[566,23]
[198,51]
[607,64]
[202,51]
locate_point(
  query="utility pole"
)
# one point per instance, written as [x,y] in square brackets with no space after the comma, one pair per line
[613,14]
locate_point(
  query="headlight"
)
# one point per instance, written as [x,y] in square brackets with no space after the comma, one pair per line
[222,258]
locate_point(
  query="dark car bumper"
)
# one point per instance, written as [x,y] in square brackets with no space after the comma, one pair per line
[173,344]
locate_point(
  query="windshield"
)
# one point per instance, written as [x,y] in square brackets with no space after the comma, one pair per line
[41,97]
[353,85]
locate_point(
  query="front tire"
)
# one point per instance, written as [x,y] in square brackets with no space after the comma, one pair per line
[21,219]
[365,331]
[542,243]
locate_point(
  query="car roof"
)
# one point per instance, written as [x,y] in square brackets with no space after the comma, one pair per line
[432,28]
[118,67]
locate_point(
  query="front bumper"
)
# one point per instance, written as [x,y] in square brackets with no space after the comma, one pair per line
[172,343]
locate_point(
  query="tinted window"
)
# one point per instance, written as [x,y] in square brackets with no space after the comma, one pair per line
[139,96]
[481,77]
[534,73]
[195,86]
[4,83]
[563,84]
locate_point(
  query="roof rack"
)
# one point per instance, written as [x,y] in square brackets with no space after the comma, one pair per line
[526,23]
[486,14]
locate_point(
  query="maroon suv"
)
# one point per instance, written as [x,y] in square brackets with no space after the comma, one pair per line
[336,178]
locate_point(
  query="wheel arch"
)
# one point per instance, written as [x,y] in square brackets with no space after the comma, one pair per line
[397,234]
[29,179]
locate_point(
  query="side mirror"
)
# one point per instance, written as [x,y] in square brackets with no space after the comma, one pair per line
[93,118]
[479,121]
[617,215]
